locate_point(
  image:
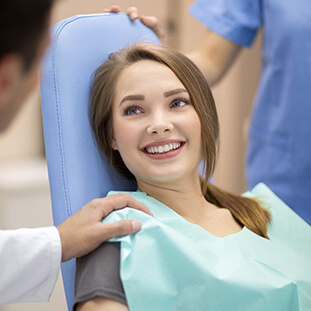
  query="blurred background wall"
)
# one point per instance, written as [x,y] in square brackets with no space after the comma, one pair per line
[24,192]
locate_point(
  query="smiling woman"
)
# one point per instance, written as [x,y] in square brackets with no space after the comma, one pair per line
[155,127]
[151,96]
[154,118]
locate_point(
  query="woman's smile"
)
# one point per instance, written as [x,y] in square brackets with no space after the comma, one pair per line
[164,150]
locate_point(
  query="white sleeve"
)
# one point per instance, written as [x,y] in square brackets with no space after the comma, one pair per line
[29,264]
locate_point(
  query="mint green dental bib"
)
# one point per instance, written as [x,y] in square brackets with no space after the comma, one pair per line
[172,264]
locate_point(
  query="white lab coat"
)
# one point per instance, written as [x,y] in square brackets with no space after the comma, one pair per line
[29,264]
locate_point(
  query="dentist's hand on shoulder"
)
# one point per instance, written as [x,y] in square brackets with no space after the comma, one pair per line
[150,21]
[83,232]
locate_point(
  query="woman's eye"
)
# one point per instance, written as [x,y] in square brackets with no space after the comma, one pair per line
[132,110]
[179,103]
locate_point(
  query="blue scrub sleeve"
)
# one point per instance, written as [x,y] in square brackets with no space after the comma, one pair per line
[237,21]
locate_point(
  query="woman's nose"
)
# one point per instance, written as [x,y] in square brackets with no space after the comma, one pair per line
[160,125]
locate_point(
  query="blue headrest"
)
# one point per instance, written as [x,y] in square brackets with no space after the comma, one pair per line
[77,172]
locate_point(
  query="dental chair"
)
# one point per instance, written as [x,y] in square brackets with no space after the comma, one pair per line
[77,172]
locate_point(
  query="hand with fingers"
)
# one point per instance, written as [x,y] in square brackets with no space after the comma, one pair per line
[133,13]
[83,232]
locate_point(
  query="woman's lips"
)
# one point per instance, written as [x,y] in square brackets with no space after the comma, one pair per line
[165,150]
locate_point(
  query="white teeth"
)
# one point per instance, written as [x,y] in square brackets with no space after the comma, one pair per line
[163,149]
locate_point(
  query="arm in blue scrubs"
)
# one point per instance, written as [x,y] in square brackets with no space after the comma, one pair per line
[279,146]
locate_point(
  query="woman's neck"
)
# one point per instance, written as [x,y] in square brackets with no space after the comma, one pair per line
[186,199]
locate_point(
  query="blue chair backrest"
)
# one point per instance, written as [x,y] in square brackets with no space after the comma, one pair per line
[77,172]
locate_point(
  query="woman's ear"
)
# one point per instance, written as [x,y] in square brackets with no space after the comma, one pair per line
[114,143]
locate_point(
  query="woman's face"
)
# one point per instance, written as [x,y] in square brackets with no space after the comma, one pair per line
[155,128]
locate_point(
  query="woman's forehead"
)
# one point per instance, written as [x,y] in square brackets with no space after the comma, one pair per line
[147,75]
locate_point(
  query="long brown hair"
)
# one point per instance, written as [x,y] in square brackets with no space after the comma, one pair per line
[247,212]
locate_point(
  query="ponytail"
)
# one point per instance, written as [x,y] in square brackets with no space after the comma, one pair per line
[247,212]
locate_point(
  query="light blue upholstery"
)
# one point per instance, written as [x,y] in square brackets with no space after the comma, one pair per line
[76,170]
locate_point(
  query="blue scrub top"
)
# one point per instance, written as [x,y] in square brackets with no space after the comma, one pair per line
[279,149]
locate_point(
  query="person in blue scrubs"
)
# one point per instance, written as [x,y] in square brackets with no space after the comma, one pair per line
[280,133]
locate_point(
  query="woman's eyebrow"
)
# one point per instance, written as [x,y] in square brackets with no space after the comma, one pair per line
[132,97]
[173,92]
